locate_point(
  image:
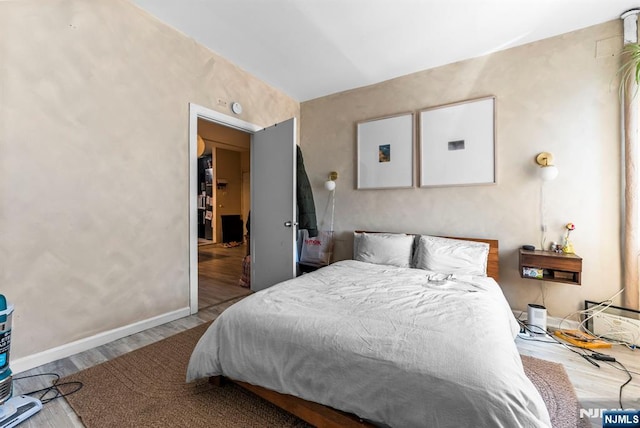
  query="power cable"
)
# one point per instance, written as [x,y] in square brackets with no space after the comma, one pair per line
[53,389]
[592,359]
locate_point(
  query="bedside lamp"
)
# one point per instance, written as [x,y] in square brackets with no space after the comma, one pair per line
[548,171]
[330,184]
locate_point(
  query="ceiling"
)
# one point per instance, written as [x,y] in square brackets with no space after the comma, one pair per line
[312,48]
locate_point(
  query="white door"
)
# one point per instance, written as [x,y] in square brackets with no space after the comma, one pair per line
[273,206]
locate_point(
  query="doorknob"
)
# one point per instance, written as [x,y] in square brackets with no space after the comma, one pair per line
[290,223]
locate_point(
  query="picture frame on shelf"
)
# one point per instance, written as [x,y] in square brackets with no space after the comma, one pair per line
[385,148]
[457,144]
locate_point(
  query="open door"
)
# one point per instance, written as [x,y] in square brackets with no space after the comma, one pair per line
[273,205]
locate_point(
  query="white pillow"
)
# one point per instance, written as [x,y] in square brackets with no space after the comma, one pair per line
[451,256]
[383,248]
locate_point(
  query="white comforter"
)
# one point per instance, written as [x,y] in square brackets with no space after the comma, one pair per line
[395,346]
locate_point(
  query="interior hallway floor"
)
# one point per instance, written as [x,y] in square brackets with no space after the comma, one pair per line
[219,270]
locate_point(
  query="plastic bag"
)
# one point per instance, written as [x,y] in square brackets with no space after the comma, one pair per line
[317,250]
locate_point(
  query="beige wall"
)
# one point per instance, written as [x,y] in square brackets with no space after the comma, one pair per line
[93,136]
[553,95]
[94,166]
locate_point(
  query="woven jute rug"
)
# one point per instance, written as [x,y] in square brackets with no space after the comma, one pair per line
[146,388]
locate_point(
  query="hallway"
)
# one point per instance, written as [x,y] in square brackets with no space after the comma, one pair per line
[219,270]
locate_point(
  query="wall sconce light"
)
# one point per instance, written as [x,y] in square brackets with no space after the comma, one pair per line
[548,170]
[330,185]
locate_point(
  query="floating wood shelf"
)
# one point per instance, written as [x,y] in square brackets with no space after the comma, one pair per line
[556,267]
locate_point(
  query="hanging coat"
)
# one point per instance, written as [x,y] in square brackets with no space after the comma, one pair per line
[304,198]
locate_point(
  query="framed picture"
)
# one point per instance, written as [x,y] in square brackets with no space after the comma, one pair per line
[385,152]
[457,144]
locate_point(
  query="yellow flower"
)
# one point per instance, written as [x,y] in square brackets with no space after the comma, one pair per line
[570,226]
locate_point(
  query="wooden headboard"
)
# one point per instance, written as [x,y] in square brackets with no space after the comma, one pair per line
[493,260]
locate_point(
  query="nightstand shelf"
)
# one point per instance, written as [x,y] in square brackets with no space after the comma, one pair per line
[556,267]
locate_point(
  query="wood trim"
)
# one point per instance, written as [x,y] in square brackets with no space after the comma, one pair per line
[316,414]
[493,260]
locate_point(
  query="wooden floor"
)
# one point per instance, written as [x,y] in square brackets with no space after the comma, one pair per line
[57,413]
[219,270]
[596,388]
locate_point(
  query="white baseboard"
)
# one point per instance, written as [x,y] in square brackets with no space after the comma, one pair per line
[31,361]
[553,323]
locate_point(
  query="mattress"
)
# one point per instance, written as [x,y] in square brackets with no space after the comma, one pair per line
[399,347]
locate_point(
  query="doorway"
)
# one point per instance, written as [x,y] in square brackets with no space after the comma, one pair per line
[273,168]
[219,262]
[223,171]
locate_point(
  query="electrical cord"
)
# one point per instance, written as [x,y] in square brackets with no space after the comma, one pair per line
[556,342]
[546,333]
[609,360]
[624,384]
[330,201]
[542,293]
[543,221]
[594,312]
[600,307]
[595,355]
[53,389]
[536,340]
[621,369]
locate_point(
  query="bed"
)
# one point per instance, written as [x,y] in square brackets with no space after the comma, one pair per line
[411,333]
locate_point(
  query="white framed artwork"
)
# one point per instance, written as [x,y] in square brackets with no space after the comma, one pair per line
[385,152]
[457,144]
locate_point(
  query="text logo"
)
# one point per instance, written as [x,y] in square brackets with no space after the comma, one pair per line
[621,419]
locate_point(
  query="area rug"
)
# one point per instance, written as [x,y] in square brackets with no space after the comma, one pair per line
[146,388]
[552,381]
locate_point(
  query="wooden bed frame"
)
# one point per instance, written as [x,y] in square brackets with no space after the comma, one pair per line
[322,416]
[318,415]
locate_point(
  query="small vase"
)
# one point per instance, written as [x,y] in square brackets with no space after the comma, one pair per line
[568,247]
